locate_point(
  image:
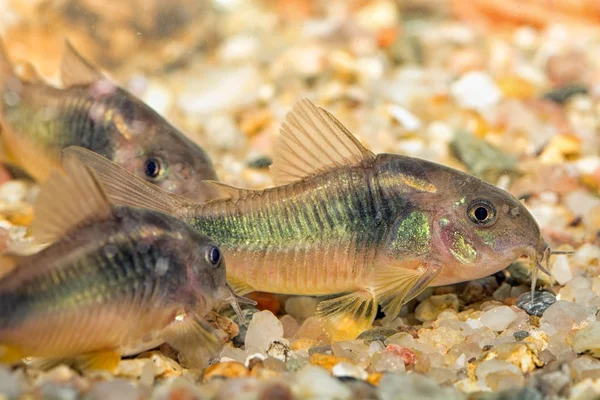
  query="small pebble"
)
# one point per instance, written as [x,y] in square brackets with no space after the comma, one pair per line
[498,318]
[520,335]
[541,302]
[345,369]
[433,306]
[562,94]
[260,162]
[587,339]
[379,333]
[316,383]
[263,330]
[230,369]
[476,90]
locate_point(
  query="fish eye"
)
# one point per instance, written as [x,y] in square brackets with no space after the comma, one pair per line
[214,255]
[152,167]
[482,212]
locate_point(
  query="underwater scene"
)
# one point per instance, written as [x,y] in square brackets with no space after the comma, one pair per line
[299,199]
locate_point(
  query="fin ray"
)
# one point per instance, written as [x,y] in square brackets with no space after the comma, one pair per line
[76,70]
[68,200]
[347,316]
[194,339]
[396,285]
[312,141]
[124,188]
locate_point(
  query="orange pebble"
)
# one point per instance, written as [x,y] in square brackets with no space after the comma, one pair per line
[266,301]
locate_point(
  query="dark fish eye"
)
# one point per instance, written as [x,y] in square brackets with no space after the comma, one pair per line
[482,212]
[152,167]
[214,255]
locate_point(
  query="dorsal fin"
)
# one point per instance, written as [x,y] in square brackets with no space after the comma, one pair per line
[67,201]
[124,188]
[76,70]
[221,191]
[311,142]
[27,72]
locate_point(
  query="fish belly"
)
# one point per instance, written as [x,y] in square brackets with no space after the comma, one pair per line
[83,330]
[327,268]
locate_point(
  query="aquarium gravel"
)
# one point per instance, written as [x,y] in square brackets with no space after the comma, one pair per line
[509,98]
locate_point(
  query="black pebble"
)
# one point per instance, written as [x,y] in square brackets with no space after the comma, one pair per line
[520,335]
[562,94]
[541,302]
[260,162]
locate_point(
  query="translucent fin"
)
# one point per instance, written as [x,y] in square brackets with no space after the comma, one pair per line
[239,287]
[220,191]
[396,285]
[68,200]
[11,354]
[76,70]
[7,73]
[347,316]
[194,339]
[313,141]
[107,360]
[27,72]
[124,188]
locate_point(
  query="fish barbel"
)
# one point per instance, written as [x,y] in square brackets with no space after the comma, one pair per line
[366,229]
[113,281]
[39,120]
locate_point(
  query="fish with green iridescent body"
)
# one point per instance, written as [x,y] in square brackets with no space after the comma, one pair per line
[39,120]
[364,229]
[113,281]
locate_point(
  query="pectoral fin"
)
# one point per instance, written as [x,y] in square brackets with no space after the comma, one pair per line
[194,339]
[394,285]
[347,316]
[239,287]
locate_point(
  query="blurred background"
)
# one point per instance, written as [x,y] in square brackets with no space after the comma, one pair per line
[505,89]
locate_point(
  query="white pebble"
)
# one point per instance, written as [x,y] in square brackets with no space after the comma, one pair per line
[476,90]
[346,369]
[561,269]
[263,330]
[13,192]
[316,383]
[407,119]
[498,318]
[223,133]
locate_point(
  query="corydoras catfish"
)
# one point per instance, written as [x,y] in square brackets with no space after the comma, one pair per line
[365,229]
[39,120]
[113,281]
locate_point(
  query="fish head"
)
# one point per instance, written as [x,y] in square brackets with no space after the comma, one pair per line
[478,228]
[206,275]
[154,150]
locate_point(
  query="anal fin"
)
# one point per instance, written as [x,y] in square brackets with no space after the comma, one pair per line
[103,360]
[194,339]
[239,287]
[347,316]
[106,360]
[395,285]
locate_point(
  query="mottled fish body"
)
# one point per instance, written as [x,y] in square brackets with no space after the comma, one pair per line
[39,120]
[369,229]
[114,280]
